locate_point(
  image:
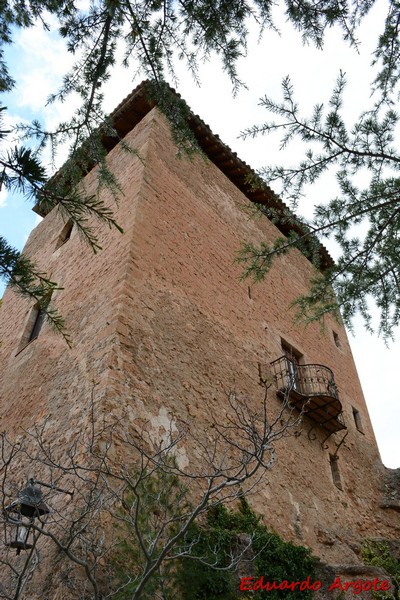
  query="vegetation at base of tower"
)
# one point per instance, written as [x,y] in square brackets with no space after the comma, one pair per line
[136,512]
[152,37]
[268,555]
[223,540]
[379,554]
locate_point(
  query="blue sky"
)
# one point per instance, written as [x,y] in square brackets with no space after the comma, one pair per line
[38,60]
[16,221]
[16,217]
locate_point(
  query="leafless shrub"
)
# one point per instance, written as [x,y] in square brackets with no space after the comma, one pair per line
[129,488]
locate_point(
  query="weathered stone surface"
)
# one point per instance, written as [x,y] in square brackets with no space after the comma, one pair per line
[391,490]
[334,578]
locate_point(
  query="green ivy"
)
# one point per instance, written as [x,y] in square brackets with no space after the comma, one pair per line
[207,571]
[218,539]
[378,553]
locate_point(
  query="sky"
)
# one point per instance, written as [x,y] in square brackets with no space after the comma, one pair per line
[38,60]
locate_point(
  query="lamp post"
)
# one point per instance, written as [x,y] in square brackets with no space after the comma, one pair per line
[20,515]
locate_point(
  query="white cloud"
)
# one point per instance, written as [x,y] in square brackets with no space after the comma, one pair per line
[3,198]
[377,366]
[44,60]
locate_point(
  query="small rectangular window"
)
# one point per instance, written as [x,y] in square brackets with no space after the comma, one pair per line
[64,235]
[37,325]
[333,461]
[336,339]
[290,352]
[35,321]
[293,358]
[357,420]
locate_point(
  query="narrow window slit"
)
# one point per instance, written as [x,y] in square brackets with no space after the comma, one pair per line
[64,235]
[333,461]
[336,339]
[357,420]
[37,325]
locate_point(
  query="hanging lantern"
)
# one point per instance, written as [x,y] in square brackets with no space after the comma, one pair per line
[20,515]
[17,531]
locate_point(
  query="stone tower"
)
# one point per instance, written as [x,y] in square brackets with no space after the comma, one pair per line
[161,321]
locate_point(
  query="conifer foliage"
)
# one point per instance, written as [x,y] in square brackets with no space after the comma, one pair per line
[364,217]
[153,36]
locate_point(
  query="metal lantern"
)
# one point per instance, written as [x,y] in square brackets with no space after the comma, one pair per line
[20,515]
[17,531]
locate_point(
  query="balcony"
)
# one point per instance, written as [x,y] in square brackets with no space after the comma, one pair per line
[311,389]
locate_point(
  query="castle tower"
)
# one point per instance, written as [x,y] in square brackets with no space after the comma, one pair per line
[162,323]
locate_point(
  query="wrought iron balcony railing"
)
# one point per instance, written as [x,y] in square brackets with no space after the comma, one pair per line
[312,389]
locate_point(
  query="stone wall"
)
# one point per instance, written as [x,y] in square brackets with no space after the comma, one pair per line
[162,322]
